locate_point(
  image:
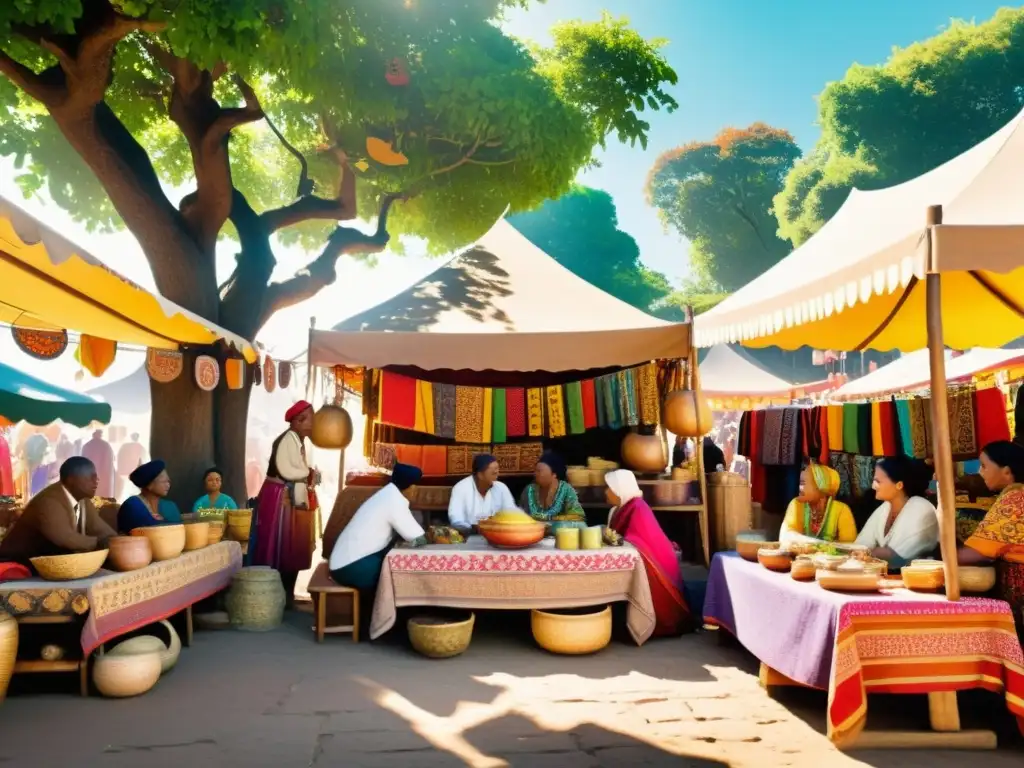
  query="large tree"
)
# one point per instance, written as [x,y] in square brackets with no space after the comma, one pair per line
[718,194]
[886,124]
[580,230]
[266,112]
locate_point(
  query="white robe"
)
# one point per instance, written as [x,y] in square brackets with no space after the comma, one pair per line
[914,533]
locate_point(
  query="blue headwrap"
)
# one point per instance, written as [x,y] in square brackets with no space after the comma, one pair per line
[145,474]
[405,475]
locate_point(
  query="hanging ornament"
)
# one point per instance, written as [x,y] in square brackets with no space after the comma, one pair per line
[234,372]
[164,366]
[207,373]
[269,374]
[396,72]
[96,355]
[284,374]
[382,152]
[361,165]
[42,345]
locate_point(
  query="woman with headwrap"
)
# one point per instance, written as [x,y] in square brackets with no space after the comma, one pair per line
[549,494]
[634,520]
[815,515]
[479,496]
[285,508]
[359,553]
[151,506]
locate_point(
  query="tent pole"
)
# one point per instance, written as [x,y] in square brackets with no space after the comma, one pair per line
[941,444]
[694,369]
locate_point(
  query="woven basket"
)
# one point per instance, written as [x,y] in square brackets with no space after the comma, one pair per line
[578,477]
[668,493]
[438,639]
[976,579]
[8,651]
[216,532]
[572,634]
[67,567]
[239,524]
[166,541]
[197,535]
[923,578]
[256,599]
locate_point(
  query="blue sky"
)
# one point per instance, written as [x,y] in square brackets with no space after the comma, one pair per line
[739,61]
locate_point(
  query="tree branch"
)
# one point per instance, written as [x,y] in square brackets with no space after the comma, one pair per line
[322,271]
[34,85]
[308,208]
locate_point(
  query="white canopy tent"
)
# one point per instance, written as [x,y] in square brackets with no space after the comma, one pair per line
[731,379]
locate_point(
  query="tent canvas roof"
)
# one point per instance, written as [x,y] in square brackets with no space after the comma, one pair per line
[502,305]
[856,282]
[729,371]
[26,398]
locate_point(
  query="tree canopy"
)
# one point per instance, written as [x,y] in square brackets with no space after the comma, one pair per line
[580,230]
[280,118]
[883,125]
[718,194]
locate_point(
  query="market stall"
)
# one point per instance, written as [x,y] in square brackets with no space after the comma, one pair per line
[731,380]
[928,263]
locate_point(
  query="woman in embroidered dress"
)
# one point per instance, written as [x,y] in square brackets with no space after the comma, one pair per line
[549,494]
[634,520]
[1000,535]
[151,506]
[815,515]
[283,520]
[905,526]
[214,498]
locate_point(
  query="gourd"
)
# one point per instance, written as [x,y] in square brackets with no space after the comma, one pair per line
[332,428]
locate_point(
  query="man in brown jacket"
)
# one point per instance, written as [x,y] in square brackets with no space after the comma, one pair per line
[61,518]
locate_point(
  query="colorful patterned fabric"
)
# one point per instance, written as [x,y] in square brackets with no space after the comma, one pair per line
[835,427]
[602,397]
[488,415]
[1001,532]
[565,502]
[961,424]
[850,440]
[781,440]
[627,397]
[650,409]
[877,449]
[589,396]
[469,414]
[556,411]
[889,428]
[435,460]
[535,412]
[574,407]
[612,402]
[842,463]
[1010,587]
[499,425]
[919,419]
[814,432]
[459,460]
[990,416]
[424,407]
[444,410]
[515,412]
[903,420]
[397,400]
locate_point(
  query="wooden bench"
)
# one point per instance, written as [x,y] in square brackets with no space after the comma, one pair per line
[321,588]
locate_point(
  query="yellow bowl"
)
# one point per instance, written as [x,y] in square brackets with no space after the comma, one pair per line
[167,541]
[81,565]
[572,634]
[197,535]
[512,535]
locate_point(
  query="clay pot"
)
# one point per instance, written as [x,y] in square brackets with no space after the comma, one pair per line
[643,453]
[332,428]
[8,650]
[130,674]
[168,652]
[129,553]
[686,415]
[512,535]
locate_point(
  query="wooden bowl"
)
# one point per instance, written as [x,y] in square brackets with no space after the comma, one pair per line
[197,535]
[167,541]
[977,579]
[837,581]
[239,524]
[775,559]
[803,569]
[748,542]
[129,553]
[81,565]
[123,675]
[924,578]
[572,634]
[440,639]
[512,535]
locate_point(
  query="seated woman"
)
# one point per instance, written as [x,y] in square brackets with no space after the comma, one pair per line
[815,515]
[905,526]
[634,520]
[549,494]
[213,498]
[359,553]
[1000,535]
[151,506]
[479,496]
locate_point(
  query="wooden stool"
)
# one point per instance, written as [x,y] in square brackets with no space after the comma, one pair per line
[321,587]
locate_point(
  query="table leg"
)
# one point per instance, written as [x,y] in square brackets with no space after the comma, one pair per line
[943,712]
[83,677]
[321,615]
[188,627]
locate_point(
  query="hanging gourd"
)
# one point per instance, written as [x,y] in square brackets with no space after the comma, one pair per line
[382,152]
[397,73]
[332,425]
[686,415]
[643,453]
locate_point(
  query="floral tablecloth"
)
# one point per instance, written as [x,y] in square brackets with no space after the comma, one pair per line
[475,575]
[895,641]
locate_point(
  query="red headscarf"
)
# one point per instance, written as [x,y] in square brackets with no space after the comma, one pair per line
[292,413]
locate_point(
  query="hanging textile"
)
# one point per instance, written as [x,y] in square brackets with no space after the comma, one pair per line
[535,412]
[889,428]
[612,401]
[864,429]
[435,460]
[919,419]
[850,443]
[469,414]
[842,463]
[876,429]
[650,410]
[556,411]
[499,427]
[574,407]
[834,416]
[459,460]
[814,432]
[903,423]
[397,400]
[409,454]
[95,355]
[515,412]
[588,396]
[488,415]
[963,441]
[990,416]
[758,471]
[627,398]
[424,417]
[444,410]
[601,401]
[781,441]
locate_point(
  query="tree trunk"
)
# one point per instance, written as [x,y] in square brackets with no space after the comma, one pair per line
[181,433]
[231,418]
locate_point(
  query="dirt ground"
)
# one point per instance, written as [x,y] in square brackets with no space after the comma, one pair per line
[279,699]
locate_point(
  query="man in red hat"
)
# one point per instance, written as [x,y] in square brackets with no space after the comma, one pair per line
[286,506]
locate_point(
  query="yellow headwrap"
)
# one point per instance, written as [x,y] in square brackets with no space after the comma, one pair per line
[826,479]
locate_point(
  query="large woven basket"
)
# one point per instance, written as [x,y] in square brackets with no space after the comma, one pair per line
[8,650]
[572,634]
[67,567]
[256,599]
[437,639]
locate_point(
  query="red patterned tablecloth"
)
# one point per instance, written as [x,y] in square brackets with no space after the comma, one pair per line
[474,575]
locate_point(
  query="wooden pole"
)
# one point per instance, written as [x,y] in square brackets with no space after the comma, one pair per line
[941,444]
[694,370]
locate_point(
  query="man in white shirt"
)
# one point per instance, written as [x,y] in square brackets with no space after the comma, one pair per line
[479,496]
